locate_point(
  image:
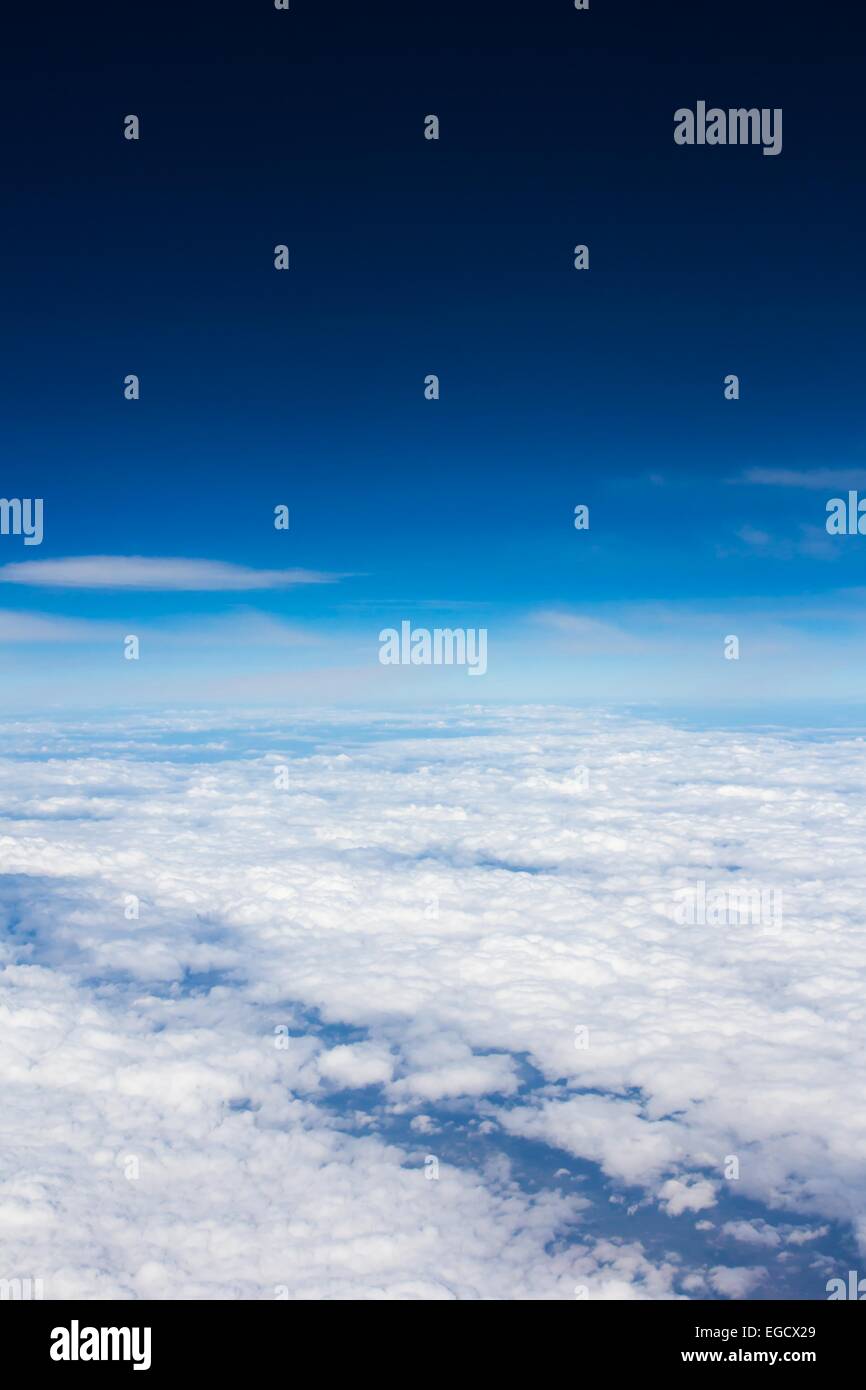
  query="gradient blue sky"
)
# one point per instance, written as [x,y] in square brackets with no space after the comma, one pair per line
[409,257]
[435,892]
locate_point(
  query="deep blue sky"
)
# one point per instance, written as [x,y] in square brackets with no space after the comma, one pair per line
[410,257]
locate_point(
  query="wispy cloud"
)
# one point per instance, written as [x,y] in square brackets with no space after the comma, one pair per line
[752,536]
[241,628]
[591,634]
[150,572]
[815,479]
[43,627]
[812,541]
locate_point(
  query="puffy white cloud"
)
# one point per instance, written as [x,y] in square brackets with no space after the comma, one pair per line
[800,1235]
[160,1147]
[677,1197]
[361,1064]
[488,938]
[610,1132]
[759,1232]
[752,1232]
[738,1281]
[439,1066]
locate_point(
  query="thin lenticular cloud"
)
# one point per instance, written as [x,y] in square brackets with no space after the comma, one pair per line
[152,572]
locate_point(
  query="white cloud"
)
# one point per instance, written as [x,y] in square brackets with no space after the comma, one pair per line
[359,1065]
[477,1077]
[737,1282]
[259,907]
[677,1197]
[752,1232]
[800,1235]
[150,572]
[610,1132]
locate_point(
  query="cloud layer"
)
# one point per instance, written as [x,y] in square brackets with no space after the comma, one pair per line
[345,930]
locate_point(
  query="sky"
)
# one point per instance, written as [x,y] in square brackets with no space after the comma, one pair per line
[324,977]
[305,388]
